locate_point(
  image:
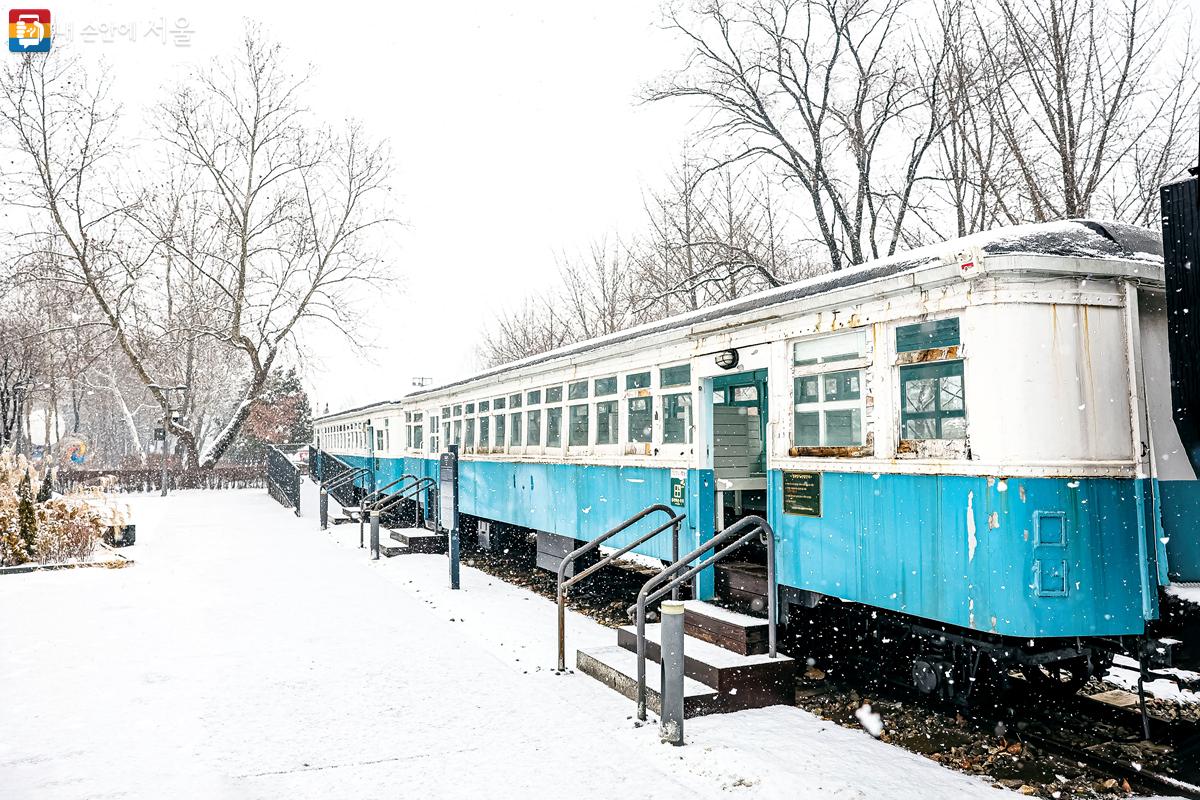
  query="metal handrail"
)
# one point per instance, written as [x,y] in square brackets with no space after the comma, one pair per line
[645,596]
[563,584]
[420,485]
[362,504]
[346,477]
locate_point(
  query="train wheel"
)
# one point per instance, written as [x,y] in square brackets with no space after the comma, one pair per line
[1061,677]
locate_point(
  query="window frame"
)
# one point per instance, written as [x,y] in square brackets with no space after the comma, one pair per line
[819,368]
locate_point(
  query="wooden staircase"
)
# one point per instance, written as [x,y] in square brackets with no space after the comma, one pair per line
[726,667]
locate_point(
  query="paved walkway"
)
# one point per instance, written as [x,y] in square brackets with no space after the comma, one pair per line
[248,655]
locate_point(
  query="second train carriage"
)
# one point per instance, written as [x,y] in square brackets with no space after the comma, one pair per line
[975,436]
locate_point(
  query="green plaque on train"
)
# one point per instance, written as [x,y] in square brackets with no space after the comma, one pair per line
[678,487]
[802,493]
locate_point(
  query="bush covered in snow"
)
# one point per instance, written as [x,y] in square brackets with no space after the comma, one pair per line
[36,527]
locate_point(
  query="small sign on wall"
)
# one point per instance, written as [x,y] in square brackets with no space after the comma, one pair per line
[802,493]
[679,487]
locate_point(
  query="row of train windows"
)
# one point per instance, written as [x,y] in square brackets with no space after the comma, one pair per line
[493,423]
[585,424]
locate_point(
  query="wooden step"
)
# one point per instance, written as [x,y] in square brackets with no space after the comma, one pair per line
[616,668]
[741,681]
[741,633]
[739,580]
[419,540]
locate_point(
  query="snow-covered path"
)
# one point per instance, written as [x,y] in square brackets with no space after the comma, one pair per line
[246,654]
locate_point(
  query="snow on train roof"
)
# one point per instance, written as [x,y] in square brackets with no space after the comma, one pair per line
[1067,239]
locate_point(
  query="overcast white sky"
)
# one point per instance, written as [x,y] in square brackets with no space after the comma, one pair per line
[515,131]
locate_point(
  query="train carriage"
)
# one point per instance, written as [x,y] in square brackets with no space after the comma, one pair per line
[973,438]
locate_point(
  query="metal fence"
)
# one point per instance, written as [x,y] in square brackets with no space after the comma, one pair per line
[149,479]
[284,466]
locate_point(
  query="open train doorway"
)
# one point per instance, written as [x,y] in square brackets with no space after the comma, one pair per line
[739,442]
[739,418]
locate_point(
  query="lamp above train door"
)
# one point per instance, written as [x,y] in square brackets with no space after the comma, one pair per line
[728,359]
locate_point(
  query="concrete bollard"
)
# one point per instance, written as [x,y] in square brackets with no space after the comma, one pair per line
[671,695]
[374,535]
[324,508]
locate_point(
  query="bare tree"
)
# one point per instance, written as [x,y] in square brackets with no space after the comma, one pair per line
[266,226]
[1091,117]
[833,94]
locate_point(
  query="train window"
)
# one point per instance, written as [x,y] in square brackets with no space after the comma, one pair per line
[677,418]
[639,380]
[470,409]
[533,428]
[931,401]
[606,386]
[484,431]
[498,403]
[554,394]
[446,432]
[577,390]
[606,420]
[498,436]
[445,411]
[514,433]
[484,405]
[554,426]
[469,435]
[514,400]
[675,376]
[927,335]
[842,347]
[533,398]
[458,410]
[641,424]
[828,409]
[458,432]
[417,436]
[745,394]
[578,435]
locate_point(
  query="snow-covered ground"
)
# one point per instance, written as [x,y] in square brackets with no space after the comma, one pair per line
[247,654]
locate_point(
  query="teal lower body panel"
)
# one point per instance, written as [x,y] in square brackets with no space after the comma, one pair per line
[1041,557]
[1180,505]
[579,501]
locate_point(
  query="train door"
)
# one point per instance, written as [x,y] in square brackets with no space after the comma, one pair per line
[739,442]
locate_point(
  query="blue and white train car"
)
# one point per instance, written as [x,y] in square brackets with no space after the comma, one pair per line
[974,436]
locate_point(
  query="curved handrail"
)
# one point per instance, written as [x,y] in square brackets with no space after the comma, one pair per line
[346,477]
[645,596]
[564,584]
[362,504]
[384,503]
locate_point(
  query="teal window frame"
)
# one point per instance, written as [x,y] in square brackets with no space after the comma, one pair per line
[554,426]
[676,430]
[939,371]
[637,380]
[640,419]
[554,394]
[678,375]
[606,386]
[577,390]
[533,428]
[608,420]
[577,433]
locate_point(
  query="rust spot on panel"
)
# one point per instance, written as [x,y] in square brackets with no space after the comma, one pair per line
[856,451]
[932,354]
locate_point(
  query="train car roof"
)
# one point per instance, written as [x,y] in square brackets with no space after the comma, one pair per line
[1067,239]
